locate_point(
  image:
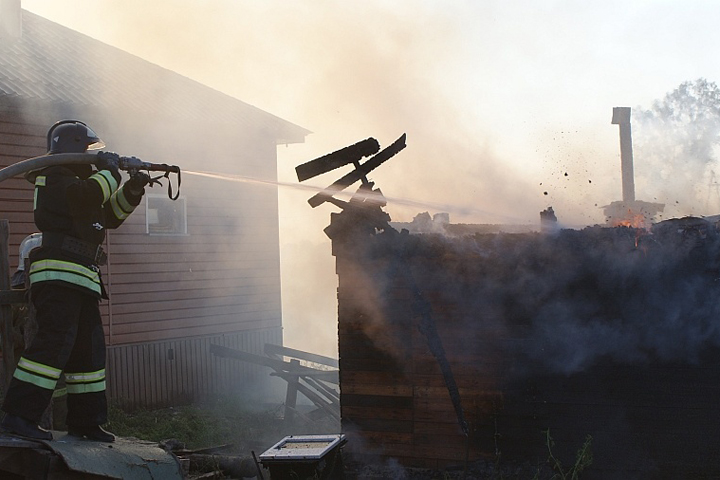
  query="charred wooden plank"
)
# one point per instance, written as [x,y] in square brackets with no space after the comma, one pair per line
[278,365]
[271,349]
[359,172]
[331,161]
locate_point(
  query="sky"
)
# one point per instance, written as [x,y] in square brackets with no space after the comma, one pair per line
[506,104]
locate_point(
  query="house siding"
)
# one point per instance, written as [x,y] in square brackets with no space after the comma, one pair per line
[223,276]
[220,280]
[183,370]
[18,140]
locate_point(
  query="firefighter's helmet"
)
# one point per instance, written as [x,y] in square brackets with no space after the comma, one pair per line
[72,136]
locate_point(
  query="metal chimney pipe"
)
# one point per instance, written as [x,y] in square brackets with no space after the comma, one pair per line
[621,116]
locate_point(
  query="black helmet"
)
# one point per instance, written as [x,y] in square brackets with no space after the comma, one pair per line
[72,136]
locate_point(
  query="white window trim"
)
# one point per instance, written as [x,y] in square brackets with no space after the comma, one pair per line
[148,197]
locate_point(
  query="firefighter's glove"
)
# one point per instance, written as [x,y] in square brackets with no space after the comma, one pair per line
[137,182]
[108,161]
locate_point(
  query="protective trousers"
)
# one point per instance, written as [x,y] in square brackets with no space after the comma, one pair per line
[70,338]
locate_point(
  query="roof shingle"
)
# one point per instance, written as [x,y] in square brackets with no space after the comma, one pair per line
[56,64]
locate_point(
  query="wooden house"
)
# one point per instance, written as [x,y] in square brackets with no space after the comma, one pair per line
[181,274]
[491,350]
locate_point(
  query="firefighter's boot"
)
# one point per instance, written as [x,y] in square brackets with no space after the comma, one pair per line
[24,428]
[93,432]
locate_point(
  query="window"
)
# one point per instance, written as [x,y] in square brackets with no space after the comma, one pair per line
[164,216]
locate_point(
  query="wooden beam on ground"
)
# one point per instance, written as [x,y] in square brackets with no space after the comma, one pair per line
[331,408]
[277,365]
[272,349]
[293,381]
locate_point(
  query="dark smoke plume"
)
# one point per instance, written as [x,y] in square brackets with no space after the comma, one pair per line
[565,302]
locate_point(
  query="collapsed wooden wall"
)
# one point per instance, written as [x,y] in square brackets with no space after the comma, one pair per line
[607,332]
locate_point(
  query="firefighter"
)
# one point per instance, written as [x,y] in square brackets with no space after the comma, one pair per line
[73,206]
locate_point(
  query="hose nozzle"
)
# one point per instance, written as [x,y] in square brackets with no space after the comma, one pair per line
[130,164]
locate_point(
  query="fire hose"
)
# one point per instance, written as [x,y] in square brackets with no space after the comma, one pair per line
[131,165]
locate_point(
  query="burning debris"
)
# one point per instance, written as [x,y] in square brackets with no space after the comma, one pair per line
[637,214]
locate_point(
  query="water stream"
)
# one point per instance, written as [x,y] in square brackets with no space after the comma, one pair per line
[405,202]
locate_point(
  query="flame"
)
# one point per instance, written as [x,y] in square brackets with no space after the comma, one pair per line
[632,219]
[636,220]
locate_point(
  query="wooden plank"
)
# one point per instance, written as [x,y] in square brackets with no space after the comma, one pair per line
[18,207]
[229,302]
[210,239]
[195,289]
[359,172]
[271,349]
[134,387]
[485,382]
[198,330]
[9,125]
[6,323]
[191,315]
[140,247]
[348,364]
[21,151]
[360,345]
[379,425]
[165,368]
[374,378]
[376,389]
[208,293]
[451,453]
[154,372]
[437,412]
[201,276]
[239,269]
[189,374]
[421,392]
[13,139]
[17,189]
[441,428]
[378,412]
[186,257]
[8,297]
[16,216]
[159,372]
[227,225]
[277,365]
[170,329]
[205,372]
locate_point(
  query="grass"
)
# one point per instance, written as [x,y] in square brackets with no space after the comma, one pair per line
[218,422]
[583,459]
[231,421]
